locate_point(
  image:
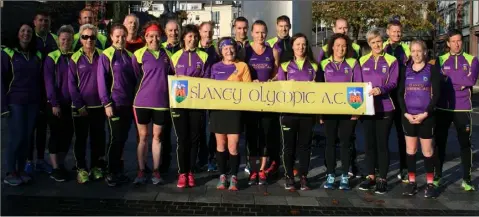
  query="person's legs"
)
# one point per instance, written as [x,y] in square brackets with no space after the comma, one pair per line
[463,123]
[382,137]
[16,127]
[443,122]
[233,140]
[289,125]
[221,152]
[305,134]
[331,124]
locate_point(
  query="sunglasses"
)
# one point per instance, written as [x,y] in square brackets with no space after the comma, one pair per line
[86,37]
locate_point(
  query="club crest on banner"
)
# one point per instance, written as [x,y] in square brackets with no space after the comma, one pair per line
[355,96]
[180,90]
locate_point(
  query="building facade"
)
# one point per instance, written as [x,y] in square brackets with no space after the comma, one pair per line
[464,16]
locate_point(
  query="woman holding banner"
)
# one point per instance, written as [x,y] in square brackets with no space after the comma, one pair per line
[189,124]
[418,93]
[226,124]
[297,128]
[339,67]
[381,70]
[152,64]
[261,127]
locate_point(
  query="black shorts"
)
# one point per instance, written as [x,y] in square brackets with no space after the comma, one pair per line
[225,122]
[425,130]
[145,115]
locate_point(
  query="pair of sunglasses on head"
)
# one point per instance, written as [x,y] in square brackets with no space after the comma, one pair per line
[86,37]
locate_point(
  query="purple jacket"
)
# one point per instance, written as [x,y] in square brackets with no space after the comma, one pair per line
[191,63]
[55,73]
[153,68]
[459,75]
[298,71]
[382,73]
[48,45]
[82,80]
[401,51]
[262,66]
[348,70]
[116,78]
[21,78]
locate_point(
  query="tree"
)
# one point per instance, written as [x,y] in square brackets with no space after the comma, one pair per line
[363,14]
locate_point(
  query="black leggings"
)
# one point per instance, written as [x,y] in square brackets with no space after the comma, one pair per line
[262,136]
[39,137]
[376,132]
[463,124]
[92,125]
[296,137]
[119,128]
[398,118]
[61,130]
[189,124]
[343,125]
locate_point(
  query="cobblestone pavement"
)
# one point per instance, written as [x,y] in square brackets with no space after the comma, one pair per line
[46,197]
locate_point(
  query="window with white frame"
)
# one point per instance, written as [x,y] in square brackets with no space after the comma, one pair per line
[465,14]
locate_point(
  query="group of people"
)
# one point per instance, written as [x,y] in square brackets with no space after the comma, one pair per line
[79,81]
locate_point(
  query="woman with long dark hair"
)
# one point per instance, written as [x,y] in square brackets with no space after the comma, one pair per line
[339,67]
[227,125]
[116,87]
[152,64]
[21,85]
[189,124]
[296,131]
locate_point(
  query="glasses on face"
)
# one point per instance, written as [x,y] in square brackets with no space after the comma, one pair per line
[86,37]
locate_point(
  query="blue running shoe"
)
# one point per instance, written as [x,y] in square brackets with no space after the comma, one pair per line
[344,183]
[29,168]
[212,166]
[329,184]
[43,166]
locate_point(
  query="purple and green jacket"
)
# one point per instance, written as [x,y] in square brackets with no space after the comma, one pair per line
[55,74]
[116,77]
[211,51]
[21,78]
[48,45]
[383,73]
[82,80]
[459,74]
[400,51]
[171,48]
[191,63]
[348,70]
[283,46]
[297,70]
[153,67]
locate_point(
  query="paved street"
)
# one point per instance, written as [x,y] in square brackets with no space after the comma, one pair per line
[46,197]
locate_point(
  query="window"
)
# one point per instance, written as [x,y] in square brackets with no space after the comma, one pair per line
[465,14]
[197,17]
[218,2]
[452,19]
[183,7]
[465,44]
[194,7]
[216,17]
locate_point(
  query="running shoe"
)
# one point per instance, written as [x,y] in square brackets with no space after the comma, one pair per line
[12,179]
[273,168]
[329,184]
[191,180]
[29,167]
[262,178]
[430,191]
[82,176]
[289,183]
[26,178]
[96,173]
[182,181]
[437,180]
[233,183]
[247,169]
[111,180]
[381,186]
[304,183]
[467,185]
[222,183]
[156,178]
[253,179]
[403,176]
[140,178]
[58,175]
[344,183]
[212,167]
[43,166]
[367,184]
[411,189]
